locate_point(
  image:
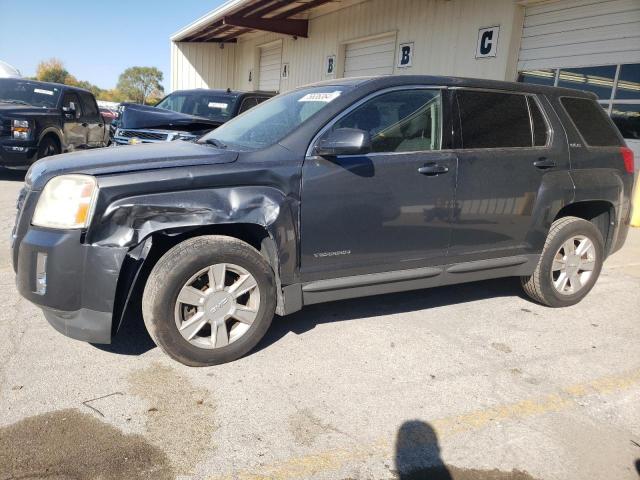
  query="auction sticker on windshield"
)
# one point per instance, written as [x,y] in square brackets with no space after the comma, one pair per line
[325,97]
[44,92]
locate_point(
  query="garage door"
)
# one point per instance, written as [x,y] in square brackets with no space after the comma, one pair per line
[370,57]
[270,64]
[580,33]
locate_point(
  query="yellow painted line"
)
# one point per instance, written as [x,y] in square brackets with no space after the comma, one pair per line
[333,459]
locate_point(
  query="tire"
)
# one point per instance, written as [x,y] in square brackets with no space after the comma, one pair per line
[175,272]
[545,285]
[48,147]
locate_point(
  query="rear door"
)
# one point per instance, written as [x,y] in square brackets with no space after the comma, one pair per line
[386,210]
[506,149]
[75,133]
[92,120]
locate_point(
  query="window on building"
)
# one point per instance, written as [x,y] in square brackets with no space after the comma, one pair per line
[617,88]
[591,122]
[598,80]
[494,120]
[401,121]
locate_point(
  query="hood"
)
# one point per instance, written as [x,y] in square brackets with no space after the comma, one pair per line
[127,159]
[143,116]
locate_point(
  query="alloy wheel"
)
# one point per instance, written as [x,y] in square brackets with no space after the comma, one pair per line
[217,305]
[573,265]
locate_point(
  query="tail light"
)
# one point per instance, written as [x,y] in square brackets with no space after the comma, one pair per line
[627,156]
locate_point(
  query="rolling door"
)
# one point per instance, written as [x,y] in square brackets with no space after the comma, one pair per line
[370,57]
[270,65]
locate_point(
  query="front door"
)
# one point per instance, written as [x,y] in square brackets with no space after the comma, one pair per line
[508,148]
[75,133]
[92,120]
[387,210]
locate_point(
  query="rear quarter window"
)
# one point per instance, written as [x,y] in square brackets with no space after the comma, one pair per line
[591,121]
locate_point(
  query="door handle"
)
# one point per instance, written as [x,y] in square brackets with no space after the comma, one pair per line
[85,124]
[544,163]
[433,169]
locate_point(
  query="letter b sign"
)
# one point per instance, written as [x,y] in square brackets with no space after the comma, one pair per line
[487,42]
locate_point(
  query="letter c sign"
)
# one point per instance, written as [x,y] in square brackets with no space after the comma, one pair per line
[487,42]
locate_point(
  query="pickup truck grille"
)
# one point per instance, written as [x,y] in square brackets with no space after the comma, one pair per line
[151,135]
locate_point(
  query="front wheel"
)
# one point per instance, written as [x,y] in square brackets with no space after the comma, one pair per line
[48,147]
[570,263]
[209,300]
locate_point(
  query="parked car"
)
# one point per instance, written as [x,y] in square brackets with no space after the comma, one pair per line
[39,119]
[182,115]
[108,115]
[341,189]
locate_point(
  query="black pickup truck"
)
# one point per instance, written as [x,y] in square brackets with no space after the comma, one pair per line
[342,189]
[182,115]
[39,119]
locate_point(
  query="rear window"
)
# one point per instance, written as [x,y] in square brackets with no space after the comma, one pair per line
[591,121]
[494,120]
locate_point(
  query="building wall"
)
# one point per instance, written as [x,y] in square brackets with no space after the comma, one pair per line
[578,33]
[444,32]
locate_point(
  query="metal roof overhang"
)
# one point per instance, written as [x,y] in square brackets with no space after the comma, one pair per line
[238,17]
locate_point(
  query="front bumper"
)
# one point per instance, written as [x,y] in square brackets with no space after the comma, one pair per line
[81,281]
[17,154]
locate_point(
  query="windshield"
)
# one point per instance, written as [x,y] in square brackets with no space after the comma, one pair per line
[271,121]
[217,107]
[23,92]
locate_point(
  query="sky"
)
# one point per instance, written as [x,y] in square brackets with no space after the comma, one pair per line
[96,40]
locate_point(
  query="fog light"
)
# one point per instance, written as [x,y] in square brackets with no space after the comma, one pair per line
[41,273]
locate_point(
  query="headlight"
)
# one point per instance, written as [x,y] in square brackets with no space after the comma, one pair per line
[20,129]
[66,202]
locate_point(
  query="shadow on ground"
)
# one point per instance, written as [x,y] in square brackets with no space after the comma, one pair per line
[388,304]
[12,175]
[417,457]
[133,339]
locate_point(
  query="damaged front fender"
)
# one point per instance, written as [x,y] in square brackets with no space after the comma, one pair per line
[128,222]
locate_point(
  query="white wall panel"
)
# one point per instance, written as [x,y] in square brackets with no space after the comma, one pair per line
[580,33]
[202,65]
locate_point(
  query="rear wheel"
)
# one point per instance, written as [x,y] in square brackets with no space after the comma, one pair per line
[209,300]
[570,263]
[48,146]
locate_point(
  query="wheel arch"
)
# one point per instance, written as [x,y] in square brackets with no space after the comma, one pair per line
[602,213]
[54,133]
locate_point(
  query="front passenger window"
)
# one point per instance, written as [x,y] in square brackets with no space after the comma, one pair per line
[400,121]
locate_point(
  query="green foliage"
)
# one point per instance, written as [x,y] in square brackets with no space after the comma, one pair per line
[135,84]
[140,84]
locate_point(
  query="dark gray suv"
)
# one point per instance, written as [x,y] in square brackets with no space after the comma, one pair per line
[335,190]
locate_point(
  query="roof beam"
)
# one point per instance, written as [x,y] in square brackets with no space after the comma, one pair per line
[302,8]
[295,28]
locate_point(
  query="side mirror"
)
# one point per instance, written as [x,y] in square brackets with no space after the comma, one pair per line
[344,141]
[70,111]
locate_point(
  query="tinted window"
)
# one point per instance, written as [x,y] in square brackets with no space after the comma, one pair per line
[402,121]
[598,80]
[591,121]
[494,120]
[627,119]
[629,82]
[540,128]
[71,101]
[88,105]
[248,103]
[217,107]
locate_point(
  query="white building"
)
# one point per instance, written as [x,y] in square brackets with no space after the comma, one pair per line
[279,45]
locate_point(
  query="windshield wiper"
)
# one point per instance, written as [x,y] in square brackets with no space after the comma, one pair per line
[215,142]
[19,102]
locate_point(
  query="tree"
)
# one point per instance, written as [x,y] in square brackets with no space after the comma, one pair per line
[139,84]
[51,70]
